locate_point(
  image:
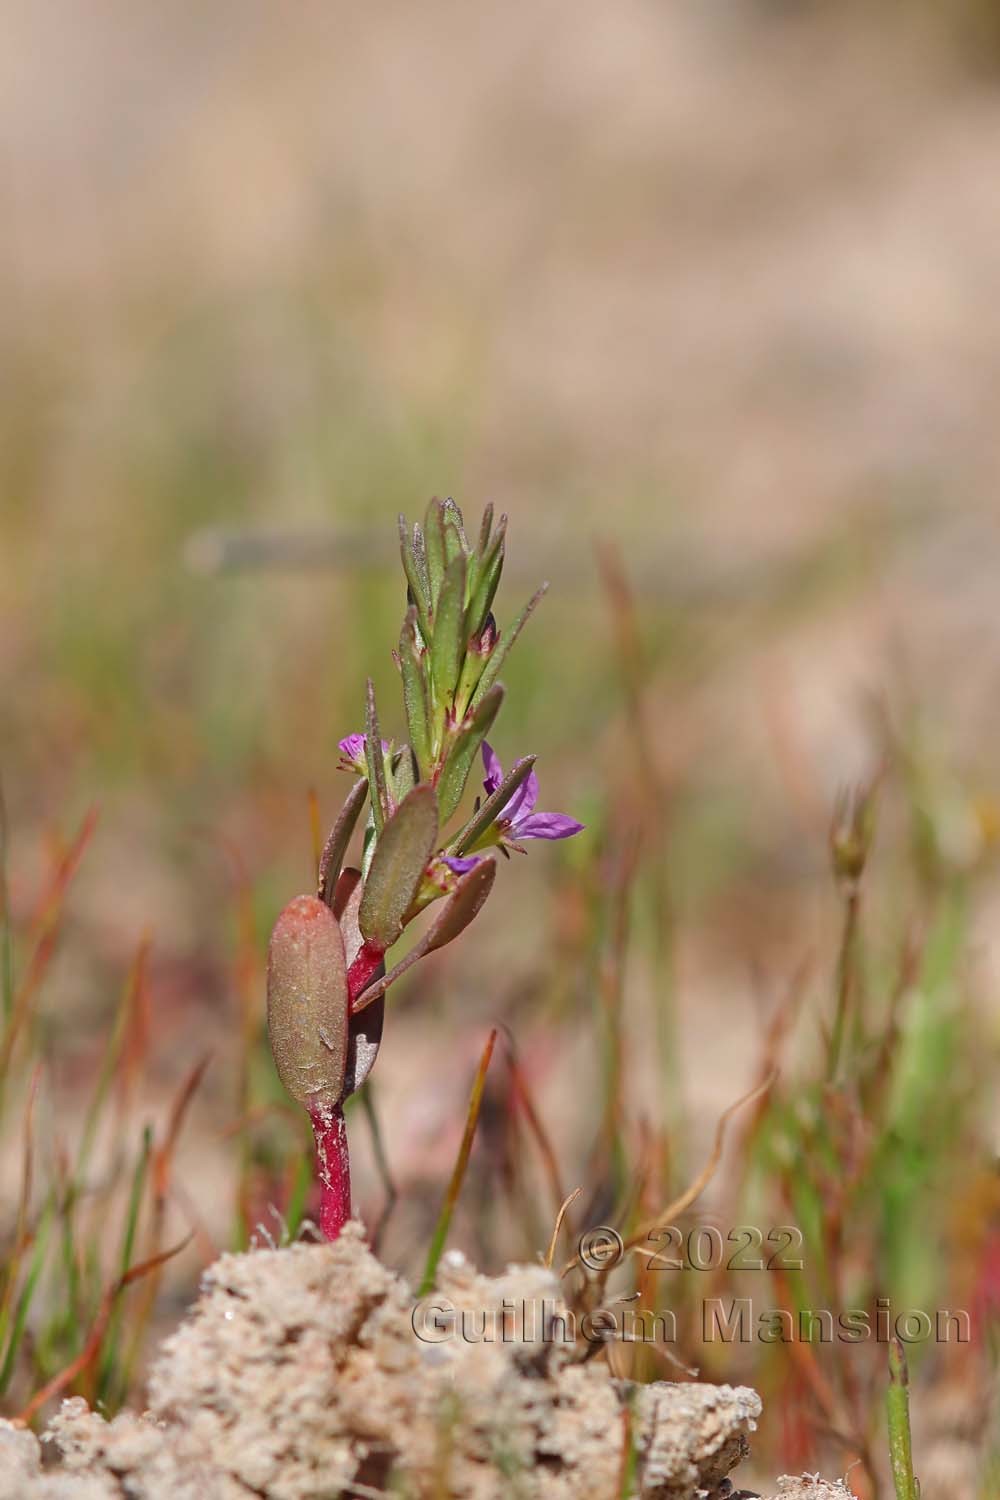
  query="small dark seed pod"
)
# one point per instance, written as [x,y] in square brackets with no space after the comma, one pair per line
[307,1002]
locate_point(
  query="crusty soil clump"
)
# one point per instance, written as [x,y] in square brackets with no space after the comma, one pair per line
[811,1487]
[298,1376]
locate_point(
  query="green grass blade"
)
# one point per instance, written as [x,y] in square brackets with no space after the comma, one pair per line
[109,1352]
[23,1305]
[458,1175]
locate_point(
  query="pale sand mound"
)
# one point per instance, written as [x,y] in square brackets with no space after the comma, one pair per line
[298,1376]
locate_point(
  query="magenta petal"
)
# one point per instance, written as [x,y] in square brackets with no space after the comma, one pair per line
[547,826]
[461,864]
[523,800]
[353,747]
[493,769]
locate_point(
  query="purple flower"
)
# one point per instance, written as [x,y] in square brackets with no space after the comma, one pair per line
[517,819]
[445,870]
[352,753]
[461,865]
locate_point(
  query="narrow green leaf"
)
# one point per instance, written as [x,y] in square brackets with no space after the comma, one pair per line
[455,772]
[434,546]
[340,836]
[485,526]
[452,543]
[401,855]
[401,774]
[447,647]
[420,556]
[452,514]
[376,762]
[503,645]
[464,903]
[468,679]
[416,696]
[487,814]
[487,581]
[368,844]
[415,576]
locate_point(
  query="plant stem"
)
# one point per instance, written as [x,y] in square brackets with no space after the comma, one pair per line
[845,980]
[363,969]
[333,1168]
[898,1407]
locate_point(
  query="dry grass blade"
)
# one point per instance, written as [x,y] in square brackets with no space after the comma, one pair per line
[550,1253]
[92,1348]
[163,1157]
[461,1163]
[698,1186]
[522,1096]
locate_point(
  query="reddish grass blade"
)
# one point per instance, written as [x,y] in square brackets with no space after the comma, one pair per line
[160,1174]
[522,1100]
[458,1175]
[46,924]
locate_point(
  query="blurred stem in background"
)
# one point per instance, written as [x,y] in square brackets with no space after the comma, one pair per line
[648,821]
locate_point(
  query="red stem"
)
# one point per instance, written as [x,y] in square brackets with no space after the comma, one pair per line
[333,1168]
[333,1162]
[363,970]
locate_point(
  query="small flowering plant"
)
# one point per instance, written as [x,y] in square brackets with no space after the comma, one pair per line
[327,973]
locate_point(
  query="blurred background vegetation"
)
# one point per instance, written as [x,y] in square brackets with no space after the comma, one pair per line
[707,299]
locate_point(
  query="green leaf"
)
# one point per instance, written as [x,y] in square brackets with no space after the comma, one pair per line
[415,576]
[488,577]
[402,777]
[455,772]
[448,645]
[340,836]
[485,527]
[376,762]
[503,645]
[416,695]
[307,1001]
[487,814]
[397,867]
[434,546]
[368,843]
[464,903]
[452,542]
[452,516]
